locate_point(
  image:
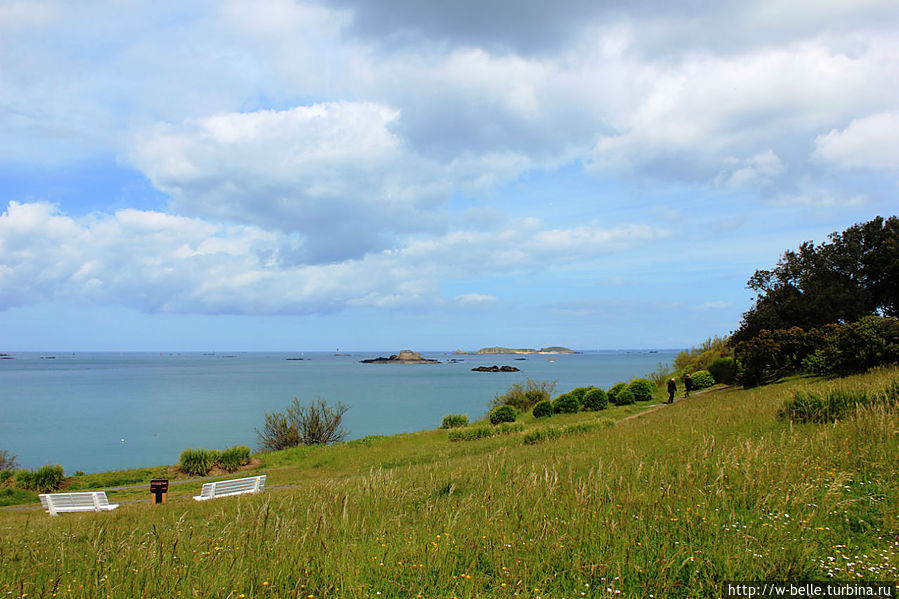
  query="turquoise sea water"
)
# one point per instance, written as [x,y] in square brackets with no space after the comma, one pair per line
[111,411]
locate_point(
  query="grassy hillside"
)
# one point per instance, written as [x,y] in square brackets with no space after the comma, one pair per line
[669,504]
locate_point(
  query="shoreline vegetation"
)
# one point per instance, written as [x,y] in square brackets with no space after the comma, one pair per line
[741,485]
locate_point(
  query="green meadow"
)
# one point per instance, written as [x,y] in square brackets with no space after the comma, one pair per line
[632,501]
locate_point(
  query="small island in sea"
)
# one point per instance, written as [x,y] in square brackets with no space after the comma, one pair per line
[555,349]
[406,356]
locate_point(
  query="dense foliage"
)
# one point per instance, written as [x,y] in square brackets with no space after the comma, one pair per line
[567,403]
[44,479]
[724,370]
[197,462]
[454,421]
[854,275]
[836,350]
[642,389]
[543,409]
[525,396]
[595,399]
[315,423]
[810,406]
[625,397]
[702,379]
[614,390]
[503,414]
[231,459]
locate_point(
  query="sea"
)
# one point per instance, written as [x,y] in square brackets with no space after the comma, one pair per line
[93,412]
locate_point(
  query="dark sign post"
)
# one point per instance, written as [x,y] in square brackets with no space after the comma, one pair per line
[159,487]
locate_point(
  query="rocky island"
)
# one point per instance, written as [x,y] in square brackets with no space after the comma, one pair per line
[495,368]
[406,356]
[555,349]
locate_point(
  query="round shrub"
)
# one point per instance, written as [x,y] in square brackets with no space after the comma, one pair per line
[615,390]
[642,389]
[543,409]
[702,379]
[579,393]
[595,399]
[625,397]
[503,414]
[724,370]
[567,403]
[454,421]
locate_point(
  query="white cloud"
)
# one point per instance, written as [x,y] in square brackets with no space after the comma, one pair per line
[163,263]
[871,141]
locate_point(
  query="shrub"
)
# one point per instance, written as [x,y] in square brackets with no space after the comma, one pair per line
[503,414]
[580,392]
[5,475]
[198,462]
[567,403]
[315,423]
[526,396]
[595,399]
[7,461]
[642,389]
[724,370]
[543,409]
[233,458]
[702,379]
[44,479]
[625,397]
[614,391]
[454,421]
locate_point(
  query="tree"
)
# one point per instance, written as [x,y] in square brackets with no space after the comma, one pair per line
[853,275]
[7,462]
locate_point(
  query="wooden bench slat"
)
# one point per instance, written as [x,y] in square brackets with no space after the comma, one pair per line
[224,488]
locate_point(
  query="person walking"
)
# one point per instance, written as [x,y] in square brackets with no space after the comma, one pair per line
[688,385]
[672,389]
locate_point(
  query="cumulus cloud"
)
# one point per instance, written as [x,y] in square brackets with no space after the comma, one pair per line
[871,141]
[163,263]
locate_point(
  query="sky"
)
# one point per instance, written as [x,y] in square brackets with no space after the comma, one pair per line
[389,174]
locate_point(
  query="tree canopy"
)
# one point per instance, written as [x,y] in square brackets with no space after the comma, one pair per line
[854,274]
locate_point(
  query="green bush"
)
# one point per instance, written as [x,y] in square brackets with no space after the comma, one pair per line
[567,403]
[44,479]
[625,398]
[724,370]
[5,475]
[580,392]
[233,458]
[642,389]
[615,390]
[543,409]
[702,379]
[503,414]
[525,396]
[198,462]
[595,399]
[454,421]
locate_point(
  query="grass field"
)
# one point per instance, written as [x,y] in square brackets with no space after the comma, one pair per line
[668,504]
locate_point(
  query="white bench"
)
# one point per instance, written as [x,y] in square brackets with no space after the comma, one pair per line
[223,488]
[89,501]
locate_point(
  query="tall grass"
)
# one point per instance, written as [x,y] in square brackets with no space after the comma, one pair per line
[670,504]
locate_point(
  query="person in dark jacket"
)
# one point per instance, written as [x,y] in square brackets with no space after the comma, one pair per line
[688,385]
[672,389]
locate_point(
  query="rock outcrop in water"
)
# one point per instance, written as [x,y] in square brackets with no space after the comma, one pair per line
[406,356]
[495,368]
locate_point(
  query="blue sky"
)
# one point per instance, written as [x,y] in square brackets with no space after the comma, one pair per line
[387,174]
